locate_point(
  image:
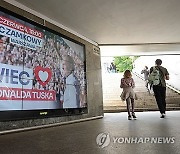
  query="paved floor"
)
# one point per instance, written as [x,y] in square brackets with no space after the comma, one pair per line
[113,134]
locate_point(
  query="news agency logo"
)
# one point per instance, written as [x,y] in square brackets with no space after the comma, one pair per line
[103,140]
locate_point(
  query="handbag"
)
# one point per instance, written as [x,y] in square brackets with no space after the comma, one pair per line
[122,96]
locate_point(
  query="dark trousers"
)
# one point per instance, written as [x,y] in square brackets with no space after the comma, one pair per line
[160,95]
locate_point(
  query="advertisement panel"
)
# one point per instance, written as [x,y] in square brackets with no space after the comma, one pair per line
[39,68]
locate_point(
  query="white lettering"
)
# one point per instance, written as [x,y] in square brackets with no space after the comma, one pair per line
[115,139]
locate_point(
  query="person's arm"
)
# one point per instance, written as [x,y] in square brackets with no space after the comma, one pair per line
[151,69]
[121,84]
[133,83]
[167,77]
[147,72]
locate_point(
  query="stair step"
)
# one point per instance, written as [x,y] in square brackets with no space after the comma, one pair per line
[146,101]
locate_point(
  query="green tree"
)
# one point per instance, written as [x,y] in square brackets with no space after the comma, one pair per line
[124,62]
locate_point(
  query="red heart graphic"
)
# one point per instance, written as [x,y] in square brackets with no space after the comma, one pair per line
[43,75]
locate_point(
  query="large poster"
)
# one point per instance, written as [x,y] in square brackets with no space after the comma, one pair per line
[39,69]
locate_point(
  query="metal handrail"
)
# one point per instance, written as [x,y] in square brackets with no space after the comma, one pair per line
[169,86]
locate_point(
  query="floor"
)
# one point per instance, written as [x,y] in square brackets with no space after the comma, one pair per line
[113,134]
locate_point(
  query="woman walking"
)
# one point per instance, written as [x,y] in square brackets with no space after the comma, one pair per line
[128,94]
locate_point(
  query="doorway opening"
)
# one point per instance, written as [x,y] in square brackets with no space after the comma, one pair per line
[136,63]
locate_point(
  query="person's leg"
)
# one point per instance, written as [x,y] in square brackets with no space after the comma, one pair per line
[158,96]
[132,105]
[146,83]
[128,108]
[163,95]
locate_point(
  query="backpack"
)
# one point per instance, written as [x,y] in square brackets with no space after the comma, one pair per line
[154,77]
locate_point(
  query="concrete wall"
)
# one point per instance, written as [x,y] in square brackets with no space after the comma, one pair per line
[94,79]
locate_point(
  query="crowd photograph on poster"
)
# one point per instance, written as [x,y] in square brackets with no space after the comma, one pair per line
[39,68]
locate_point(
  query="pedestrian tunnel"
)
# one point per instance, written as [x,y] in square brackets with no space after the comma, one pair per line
[143,55]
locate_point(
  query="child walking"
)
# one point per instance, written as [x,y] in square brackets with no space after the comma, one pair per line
[128,94]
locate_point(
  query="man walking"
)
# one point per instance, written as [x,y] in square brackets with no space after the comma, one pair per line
[160,88]
[145,71]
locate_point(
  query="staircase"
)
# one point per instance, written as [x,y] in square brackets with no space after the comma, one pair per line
[145,102]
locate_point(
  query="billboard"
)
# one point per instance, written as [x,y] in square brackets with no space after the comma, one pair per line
[39,68]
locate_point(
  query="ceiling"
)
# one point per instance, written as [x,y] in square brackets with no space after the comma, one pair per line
[115,21]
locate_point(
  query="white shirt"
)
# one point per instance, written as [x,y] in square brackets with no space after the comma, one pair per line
[70,93]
